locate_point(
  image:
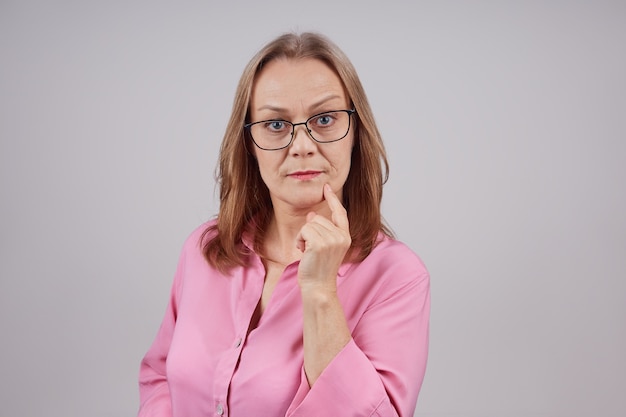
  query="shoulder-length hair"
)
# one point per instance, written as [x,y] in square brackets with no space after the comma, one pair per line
[245,204]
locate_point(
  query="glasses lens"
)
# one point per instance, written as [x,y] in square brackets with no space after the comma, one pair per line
[271,134]
[329,127]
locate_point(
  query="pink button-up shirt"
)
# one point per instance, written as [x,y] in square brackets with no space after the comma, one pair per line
[205,360]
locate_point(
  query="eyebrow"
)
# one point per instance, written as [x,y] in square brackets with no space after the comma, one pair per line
[315,105]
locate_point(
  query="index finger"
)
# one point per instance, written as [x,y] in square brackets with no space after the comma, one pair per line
[338,211]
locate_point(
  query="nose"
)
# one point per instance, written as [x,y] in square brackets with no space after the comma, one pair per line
[302,143]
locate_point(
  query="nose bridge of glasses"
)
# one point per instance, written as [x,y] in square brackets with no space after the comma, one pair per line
[306,128]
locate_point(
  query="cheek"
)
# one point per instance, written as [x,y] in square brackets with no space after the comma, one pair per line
[263,168]
[349,149]
[342,159]
[348,160]
[269,164]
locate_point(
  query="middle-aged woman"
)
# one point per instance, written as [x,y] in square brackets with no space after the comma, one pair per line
[296,300]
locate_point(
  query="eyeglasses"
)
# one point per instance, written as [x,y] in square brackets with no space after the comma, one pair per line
[275,134]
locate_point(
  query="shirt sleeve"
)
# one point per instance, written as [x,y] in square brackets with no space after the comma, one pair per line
[154,394]
[380,371]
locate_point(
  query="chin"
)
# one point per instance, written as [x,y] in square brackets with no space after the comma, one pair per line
[307,203]
[303,200]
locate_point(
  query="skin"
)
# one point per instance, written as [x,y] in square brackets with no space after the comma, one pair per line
[309,222]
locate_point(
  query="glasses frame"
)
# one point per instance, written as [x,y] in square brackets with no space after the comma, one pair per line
[248,127]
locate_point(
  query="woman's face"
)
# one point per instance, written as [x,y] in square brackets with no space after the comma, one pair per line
[295,90]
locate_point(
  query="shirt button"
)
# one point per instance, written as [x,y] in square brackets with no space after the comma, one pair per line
[238,343]
[219,409]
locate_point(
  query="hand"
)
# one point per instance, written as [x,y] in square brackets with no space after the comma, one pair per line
[324,244]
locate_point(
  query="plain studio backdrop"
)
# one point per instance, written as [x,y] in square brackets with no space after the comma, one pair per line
[504,123]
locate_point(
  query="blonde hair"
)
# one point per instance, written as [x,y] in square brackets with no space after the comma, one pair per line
[245,203]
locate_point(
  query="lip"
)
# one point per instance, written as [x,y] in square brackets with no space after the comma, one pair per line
[304,175]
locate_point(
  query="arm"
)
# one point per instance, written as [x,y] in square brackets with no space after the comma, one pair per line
[377,369]
[380,371]
[324,244]
[154,394]
[325,331]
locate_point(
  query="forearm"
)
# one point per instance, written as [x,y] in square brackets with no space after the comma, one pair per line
[325,330]
[380,370]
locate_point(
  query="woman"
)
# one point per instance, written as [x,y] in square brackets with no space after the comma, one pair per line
[296,300]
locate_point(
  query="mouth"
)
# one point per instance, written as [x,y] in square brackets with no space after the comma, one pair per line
[304,175]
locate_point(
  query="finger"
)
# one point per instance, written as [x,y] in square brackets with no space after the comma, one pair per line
[300,238]
[300,242]
[338,211]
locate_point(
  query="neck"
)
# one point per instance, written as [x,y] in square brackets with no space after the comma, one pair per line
[284,226]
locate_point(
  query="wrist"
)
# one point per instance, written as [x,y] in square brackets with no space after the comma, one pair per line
[318,294]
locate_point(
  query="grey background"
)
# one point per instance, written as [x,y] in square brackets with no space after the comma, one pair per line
[504,123]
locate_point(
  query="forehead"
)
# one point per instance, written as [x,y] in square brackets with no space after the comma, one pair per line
[288,83]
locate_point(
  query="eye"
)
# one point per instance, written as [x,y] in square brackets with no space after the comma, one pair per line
[275,125]
[323,120]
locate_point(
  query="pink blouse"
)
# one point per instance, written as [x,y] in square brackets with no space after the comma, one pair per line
[206,362]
